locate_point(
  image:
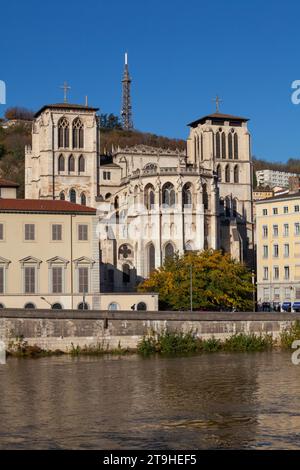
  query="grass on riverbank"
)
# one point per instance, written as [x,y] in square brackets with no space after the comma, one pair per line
[174,343]
[289,335]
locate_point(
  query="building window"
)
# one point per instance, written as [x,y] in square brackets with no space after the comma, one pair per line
[297,228]
[265,212]
[56,232]
[265,251]
[227,174]
[141,306]
[275,210]
[151,258]
[230,147]
[265,231]
[82,232]
[286,230]
[63,133]
[62,196]
[205,196]
[1,232]
[57,306]
[236,146]
[297,293]
[30,306]
[168,195]
[83,279]
[286,272]
[113,306]
[81,164]
[29,280]
[29,232]
[285,210]
[236,174]
[187,195]
[286,250]
[83,199]
[2,280]
[218,145]
[296,208]
[169,250]
[266,273]
[275,230]
[83,306]
[73,195]
[57,280]
[71,164]
[276,272]
[78,137]
[223,145]
[219,173]
[287,293]
[61,163]
[149,197]
[106,175]
[275,251]
[276,293]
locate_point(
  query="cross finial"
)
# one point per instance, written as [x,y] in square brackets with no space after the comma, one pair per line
[217,101]
[66,88]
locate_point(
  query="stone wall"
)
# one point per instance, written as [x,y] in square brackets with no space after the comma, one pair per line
[52,330]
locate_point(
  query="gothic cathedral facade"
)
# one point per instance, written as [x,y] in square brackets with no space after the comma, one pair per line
[151,202]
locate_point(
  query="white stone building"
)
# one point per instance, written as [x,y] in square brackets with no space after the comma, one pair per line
[151,202]
[273,178]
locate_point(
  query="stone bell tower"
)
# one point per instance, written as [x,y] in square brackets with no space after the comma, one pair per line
[62,162]
[221,143]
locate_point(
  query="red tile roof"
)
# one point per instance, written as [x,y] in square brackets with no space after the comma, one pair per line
[8,184]
[43,205]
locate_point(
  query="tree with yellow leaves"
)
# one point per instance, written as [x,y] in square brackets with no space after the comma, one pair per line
[218,282]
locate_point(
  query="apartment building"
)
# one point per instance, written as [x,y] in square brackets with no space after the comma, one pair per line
[274,178]
[278,251]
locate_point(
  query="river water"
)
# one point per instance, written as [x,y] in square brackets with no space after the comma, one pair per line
[239,400]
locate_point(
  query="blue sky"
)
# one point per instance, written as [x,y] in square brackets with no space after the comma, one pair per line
[181,54]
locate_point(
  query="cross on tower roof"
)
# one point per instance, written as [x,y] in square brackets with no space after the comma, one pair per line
[66,88]
[217,101]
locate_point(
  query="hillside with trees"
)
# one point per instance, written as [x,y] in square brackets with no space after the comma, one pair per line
[14,137]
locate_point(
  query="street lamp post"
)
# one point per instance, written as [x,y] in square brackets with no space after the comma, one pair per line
[45,300]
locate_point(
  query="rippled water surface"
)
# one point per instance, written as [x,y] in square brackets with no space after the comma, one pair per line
[201,402]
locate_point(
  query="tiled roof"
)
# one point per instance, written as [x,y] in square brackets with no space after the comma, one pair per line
[8,184]
[286,195]
[40,205]
[65,106]
[218,117]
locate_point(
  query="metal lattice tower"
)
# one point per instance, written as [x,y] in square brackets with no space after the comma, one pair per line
[126,112]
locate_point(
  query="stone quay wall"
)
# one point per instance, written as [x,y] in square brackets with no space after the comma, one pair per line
[51,330]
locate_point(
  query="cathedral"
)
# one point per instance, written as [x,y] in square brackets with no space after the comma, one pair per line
[151,202]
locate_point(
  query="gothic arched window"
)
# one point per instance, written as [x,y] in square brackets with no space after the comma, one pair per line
[81,164]
[63,133]
[187,195]
[223,145]
[218,145]
[125,251]
[61,163]
[71,164]
[149,196]
[219,172]
[236,146]
[73,195]
[230,150]
[151,258]
[83,199]
[169,250]
[78,138]
[62,196]
[168,195]
[236,174]
[205,196]
[227,174]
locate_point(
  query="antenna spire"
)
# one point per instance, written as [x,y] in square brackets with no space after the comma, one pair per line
[126,112]
[217,100]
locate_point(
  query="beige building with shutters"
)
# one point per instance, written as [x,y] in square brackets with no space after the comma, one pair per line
[49,258]
[278,250]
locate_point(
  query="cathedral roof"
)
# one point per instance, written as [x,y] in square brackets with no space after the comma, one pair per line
[44,206]
[65,106]
[218,118]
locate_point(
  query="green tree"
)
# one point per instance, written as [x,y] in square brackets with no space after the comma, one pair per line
[219,282]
